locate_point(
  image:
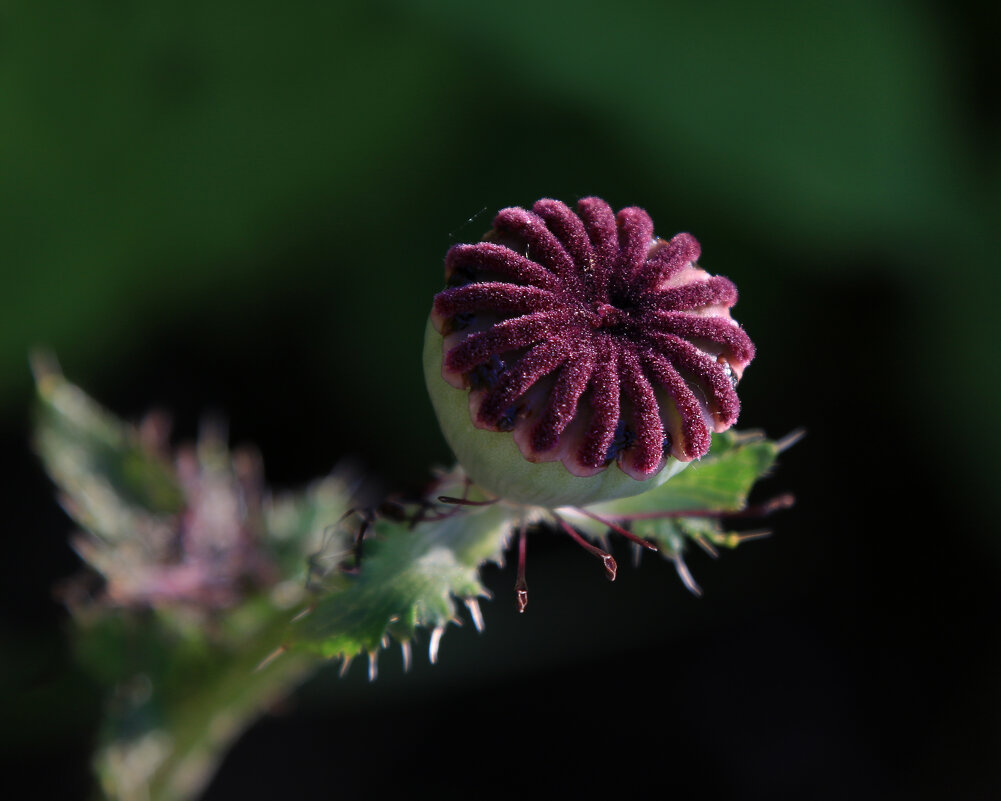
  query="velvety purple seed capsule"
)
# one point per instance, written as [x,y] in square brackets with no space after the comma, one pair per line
[594,341]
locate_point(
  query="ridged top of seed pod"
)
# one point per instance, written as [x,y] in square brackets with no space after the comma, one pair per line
[591,340]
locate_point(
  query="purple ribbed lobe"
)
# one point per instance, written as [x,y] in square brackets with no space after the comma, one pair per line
[590,339]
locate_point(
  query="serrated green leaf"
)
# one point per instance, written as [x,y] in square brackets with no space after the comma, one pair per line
[409,577]
[718,482]
[708,489]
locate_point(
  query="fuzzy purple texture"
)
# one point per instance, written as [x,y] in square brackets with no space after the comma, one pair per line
[590,339]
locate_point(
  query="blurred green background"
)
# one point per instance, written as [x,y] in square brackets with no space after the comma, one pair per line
[242,209]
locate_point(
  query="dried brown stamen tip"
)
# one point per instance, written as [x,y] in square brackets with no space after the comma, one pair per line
[611,568]
[521,585]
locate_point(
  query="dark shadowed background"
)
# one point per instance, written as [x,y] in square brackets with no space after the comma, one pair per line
[242,209]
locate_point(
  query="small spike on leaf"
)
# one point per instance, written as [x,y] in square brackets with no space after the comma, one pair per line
[434,643]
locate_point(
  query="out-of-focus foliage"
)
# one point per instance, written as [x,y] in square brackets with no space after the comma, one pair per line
[200,571]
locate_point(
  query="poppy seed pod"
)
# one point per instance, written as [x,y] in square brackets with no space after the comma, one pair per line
[575,358]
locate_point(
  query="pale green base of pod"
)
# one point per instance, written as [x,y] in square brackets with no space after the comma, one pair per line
[492,459]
